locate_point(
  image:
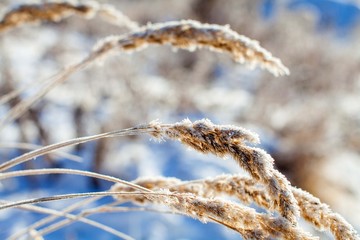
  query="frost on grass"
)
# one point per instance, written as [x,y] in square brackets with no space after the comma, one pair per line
[57,11]
[190,35]
[244,220]
[225,140]
[249,191]
[199,199]
[267,187]
[187,34]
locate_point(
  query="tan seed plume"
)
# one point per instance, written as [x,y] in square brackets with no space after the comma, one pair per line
[187,34]
[245,220]
[57,11]
[222,140]
[34,13]
[249,191]
[190,35]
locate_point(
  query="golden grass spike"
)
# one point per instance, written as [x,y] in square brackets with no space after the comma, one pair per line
[246,189]
[190,34]
[320,215]
[311,208]
[249,191]
[222,140]
[244,220]
[34,13]
[57,11]
[181,34]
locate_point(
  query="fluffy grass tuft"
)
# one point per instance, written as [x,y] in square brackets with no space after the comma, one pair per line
[204,199]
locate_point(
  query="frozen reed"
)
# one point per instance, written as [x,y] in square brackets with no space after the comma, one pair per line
[201,199]
[249,191]
[188,35]
[57,11]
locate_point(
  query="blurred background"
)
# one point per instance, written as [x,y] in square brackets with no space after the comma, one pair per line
[308,121]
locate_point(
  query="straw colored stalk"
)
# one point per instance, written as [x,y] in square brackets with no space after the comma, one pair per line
[220,140]
[207,138]
[180,34]
[190,35]
[37,235]
[57,11]
[249,191]
[244,220]
[223,140]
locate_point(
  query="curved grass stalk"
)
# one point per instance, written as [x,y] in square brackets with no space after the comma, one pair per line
[50,148]
[225,140]
[49,84]
[207,138]
[51,218]
[57,11]
[70,217]
[69,171]
[106,208]
[242,219]
[249,191]
[188,35]
[57,198]
[55,226]
[29,146]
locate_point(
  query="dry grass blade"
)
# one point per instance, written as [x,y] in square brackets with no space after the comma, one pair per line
[60,224]
[21,107]
[69,171]
[28,146]
[34,13]
[50,148]
[51,218]
[248,191]
[70,217]
[320,215]
[221,140]
[180,34]
[190,35]
[245,220]
[56,11]
[207,138]
[64,197]
[200,199]
[241,219]
[114,16]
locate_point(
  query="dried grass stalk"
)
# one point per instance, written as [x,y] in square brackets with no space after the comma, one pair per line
[246,189]
[50,148]
[29,146]
[249,191]
[57,11]
[190,35]
[245,220]
[49,219]
[222,141]
[207,138]
[180,34]
[320,215]
[68,216]
[267,187]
